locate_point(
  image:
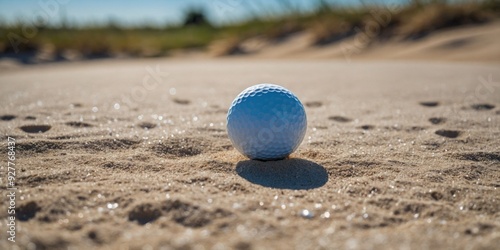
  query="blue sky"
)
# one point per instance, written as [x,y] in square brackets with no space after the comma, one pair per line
[155,12]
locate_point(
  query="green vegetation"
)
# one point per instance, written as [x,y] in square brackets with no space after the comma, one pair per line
[327,24]
[107,41]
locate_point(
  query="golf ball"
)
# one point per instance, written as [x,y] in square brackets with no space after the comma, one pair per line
[266,122]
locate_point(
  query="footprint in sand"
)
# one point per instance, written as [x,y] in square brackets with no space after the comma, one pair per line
[183,213]
[339,119]
[35,128]
[429,104]
[479,156]
[28,211]
[437,120]
[76,105]
[367,127]
[313,104]
[7,117]
[146,125]
[79,124]
[480,229]
[180,147]
[448,133]
[181,101]
[482,106]
[144,213]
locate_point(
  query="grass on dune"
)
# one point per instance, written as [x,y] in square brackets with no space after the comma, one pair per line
[327,24]
[108,41]
[425,19]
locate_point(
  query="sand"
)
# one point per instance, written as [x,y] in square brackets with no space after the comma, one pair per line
[133,154]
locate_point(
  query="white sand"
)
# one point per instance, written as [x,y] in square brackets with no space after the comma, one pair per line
[124,164]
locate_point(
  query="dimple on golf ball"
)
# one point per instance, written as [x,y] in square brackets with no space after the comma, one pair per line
[266,122]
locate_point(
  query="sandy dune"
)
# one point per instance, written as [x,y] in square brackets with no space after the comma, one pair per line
[401,154]
[469,43]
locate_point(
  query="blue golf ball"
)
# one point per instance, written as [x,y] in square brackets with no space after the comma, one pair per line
[266,122]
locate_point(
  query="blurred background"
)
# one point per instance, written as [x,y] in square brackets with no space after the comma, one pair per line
[34,31]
